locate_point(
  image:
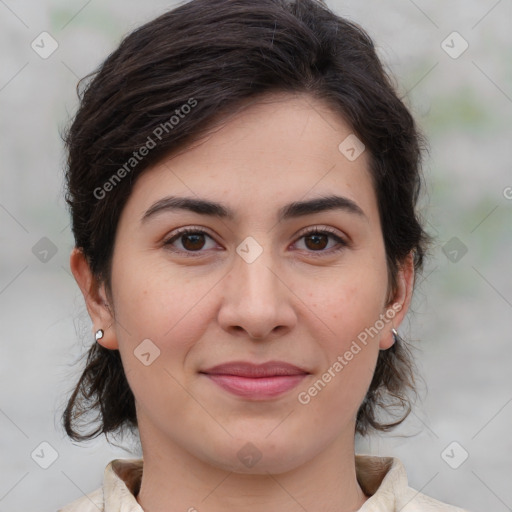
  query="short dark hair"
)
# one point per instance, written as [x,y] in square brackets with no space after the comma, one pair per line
[214,55]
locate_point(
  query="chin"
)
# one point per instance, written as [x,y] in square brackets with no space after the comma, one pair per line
[258,456]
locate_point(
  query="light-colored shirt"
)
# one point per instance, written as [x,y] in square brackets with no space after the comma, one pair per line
[382,478]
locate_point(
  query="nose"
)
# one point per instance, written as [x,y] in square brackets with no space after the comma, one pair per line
[257,301]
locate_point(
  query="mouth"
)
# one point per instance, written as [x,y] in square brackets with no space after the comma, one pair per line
[256,381]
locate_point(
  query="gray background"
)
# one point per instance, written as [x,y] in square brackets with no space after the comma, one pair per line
[460,326]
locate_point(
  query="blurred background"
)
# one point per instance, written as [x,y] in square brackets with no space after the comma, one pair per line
[453,65]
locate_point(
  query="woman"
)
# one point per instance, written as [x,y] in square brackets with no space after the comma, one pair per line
[243,181]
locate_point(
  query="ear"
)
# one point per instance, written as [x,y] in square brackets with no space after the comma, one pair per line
[95,298]
[399,304]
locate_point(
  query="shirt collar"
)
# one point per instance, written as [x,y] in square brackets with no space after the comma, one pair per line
[383,479]
[121,484]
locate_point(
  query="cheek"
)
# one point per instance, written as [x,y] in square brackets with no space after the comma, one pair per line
[350,303]
[350,355]
[349,300]
[169,309]
[153,300]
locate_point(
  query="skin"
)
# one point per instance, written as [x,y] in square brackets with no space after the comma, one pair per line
[296,303]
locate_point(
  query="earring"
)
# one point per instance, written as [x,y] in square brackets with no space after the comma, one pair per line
[394,332]
[99,334]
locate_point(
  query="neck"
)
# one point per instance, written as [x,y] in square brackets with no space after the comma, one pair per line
[175,480]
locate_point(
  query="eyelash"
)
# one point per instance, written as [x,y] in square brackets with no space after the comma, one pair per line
[342,244]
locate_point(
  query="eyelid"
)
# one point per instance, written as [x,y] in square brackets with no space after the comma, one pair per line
[187,229]
[321,229]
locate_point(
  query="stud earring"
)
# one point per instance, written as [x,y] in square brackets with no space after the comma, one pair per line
[99,334]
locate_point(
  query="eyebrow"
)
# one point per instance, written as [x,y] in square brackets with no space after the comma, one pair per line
[289,211]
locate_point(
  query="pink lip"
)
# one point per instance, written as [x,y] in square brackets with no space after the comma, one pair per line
[256,381]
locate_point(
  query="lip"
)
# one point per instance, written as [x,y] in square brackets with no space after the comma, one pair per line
[256,381]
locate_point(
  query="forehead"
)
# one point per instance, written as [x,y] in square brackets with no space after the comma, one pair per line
[277,149]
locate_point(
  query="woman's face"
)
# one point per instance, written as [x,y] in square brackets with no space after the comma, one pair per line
[284,262]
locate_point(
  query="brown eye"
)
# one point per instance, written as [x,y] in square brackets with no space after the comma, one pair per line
[316,241]
[321,241]
[190,240]
[193,242]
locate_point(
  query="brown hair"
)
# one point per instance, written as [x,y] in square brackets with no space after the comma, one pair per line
[215,54]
